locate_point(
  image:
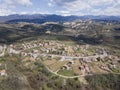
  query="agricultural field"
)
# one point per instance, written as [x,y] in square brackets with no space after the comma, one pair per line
[66,72]
[49,62]
[56,66]
[75,67]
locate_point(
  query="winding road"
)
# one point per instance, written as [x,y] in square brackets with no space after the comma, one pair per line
[67,76]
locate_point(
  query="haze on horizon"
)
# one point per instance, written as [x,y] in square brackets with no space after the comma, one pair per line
[60,7]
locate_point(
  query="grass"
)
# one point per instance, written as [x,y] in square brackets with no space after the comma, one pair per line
[92,50]
[66,72]
[75,67]
[115,70]
[49,62]
[104,81]
[15,78]
[57,65]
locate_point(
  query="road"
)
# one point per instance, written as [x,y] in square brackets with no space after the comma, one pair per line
[67,76]
[74,76]
[75,57]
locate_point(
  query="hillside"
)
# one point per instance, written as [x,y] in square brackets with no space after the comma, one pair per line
[69,55]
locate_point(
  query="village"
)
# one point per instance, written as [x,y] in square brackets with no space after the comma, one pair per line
[65,58]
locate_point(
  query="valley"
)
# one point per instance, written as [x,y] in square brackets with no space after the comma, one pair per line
[62,55]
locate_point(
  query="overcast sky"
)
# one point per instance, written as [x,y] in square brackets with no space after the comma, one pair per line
[61,7]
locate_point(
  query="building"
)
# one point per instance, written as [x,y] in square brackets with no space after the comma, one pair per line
[3,73]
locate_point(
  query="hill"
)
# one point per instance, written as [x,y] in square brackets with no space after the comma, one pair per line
[40,18]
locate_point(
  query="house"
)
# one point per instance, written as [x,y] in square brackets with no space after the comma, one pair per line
[3,73]
[94,59]
[34,56]
[88,60]
[81,67]
[103,67]
[87,69]
[112,66]
[23,54]
[35,51]
[71,62]
[65,67]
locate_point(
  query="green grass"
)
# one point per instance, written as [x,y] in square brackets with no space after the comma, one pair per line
[66,72]
[115,70]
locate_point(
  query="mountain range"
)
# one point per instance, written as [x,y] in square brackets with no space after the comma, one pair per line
[40,18]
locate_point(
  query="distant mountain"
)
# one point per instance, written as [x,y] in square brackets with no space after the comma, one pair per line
[40,18]
[19,17]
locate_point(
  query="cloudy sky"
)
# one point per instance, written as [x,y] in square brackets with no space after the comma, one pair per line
[61,7]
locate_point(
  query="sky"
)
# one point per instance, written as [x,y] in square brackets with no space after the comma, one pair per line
[60,7]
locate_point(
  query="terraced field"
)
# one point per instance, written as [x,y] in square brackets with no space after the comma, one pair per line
[56,66]
[49,62]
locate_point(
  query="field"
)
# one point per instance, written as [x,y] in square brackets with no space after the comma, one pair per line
[75,67]
[96,69]
[49,62]
[66,72]
[56,66]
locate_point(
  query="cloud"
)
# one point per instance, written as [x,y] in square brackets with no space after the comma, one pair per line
[77,6]
[63,12]
[100,2]
[14,2]
[6,6]
[40,12]
[61,2]
[50,4]
[6,12]
[24,2]
[65,7]
[93,7]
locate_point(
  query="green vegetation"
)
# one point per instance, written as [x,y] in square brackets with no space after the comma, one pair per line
[37,77]
[104,82]
[33,75]
[116,70]
[66,72]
